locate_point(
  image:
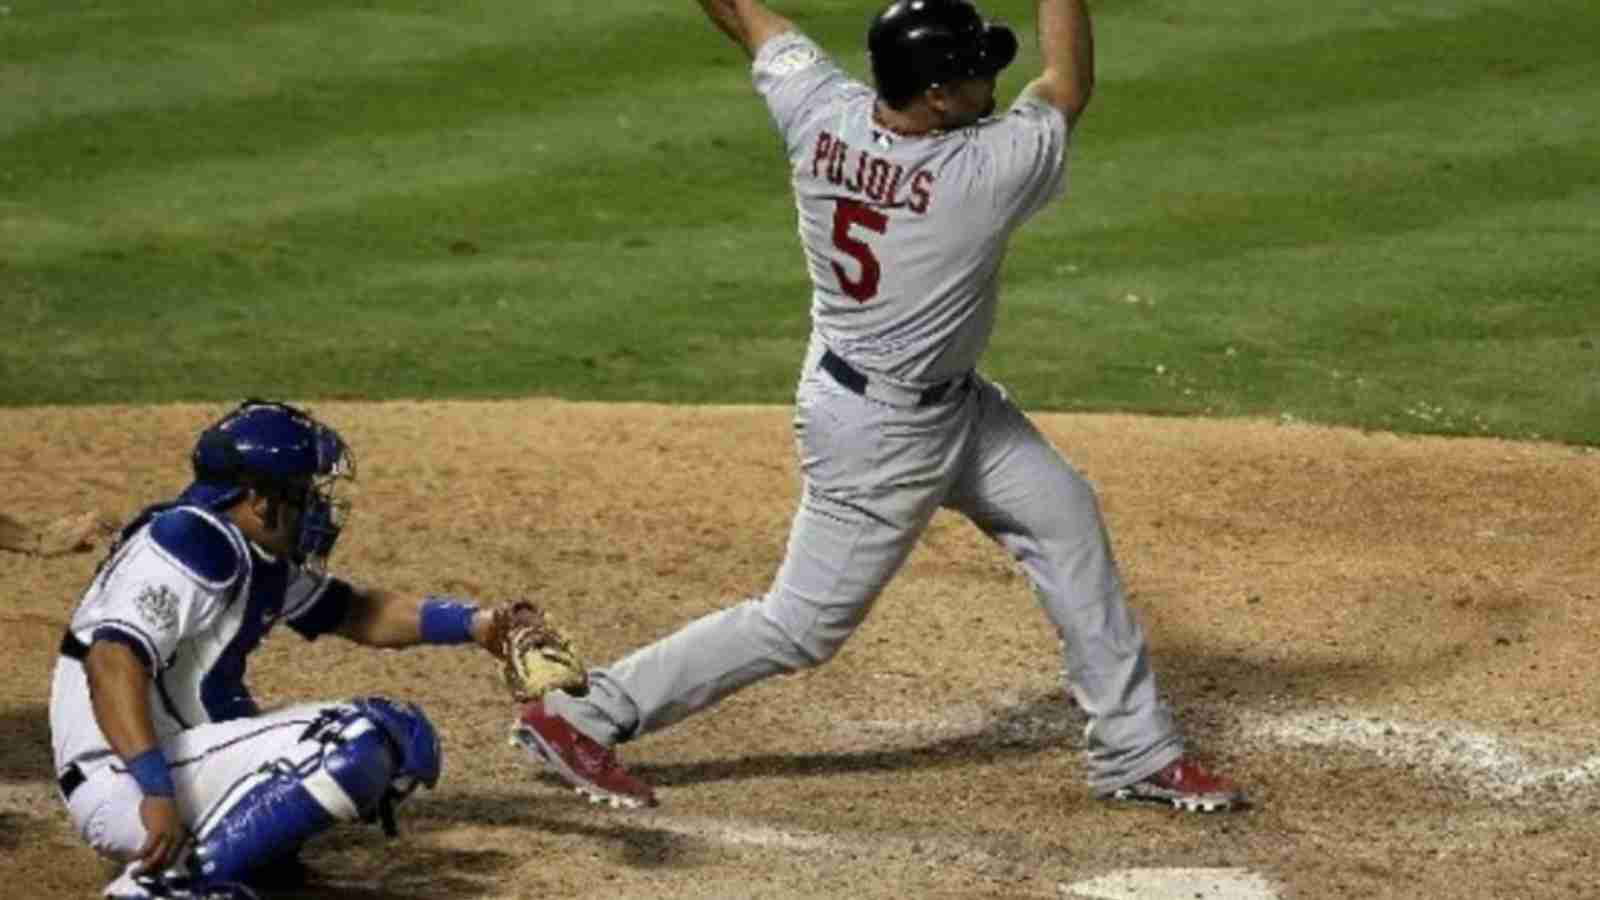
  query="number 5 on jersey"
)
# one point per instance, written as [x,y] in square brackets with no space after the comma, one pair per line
[849,213]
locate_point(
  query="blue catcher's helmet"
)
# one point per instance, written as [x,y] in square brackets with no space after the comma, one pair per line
[918,44]
[279,451]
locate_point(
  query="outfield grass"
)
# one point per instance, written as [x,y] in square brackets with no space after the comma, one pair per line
[1376,214]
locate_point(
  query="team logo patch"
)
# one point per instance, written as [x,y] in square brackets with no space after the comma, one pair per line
[792,60]
[158,606]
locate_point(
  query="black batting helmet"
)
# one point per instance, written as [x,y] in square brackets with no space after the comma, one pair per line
[917,44]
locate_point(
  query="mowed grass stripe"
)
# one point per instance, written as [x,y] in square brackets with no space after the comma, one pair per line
[277,35]
[546,170]
[165,71]
[440,95]
[1406,194]
[342,91]
[1233,87]
[536,317]
[1335,159]
[360,157]
[1498,329]
[1136,39]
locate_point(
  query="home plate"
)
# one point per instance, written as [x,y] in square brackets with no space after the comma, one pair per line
[1174,884]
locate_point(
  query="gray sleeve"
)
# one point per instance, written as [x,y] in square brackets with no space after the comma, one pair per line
[1028,153]
[796,79]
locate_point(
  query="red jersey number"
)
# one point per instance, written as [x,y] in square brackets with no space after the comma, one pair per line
[847,214]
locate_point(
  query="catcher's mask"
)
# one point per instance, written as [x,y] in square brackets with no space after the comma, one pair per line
[281,452]
[920,44]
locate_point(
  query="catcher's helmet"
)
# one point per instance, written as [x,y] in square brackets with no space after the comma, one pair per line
[281,451]
[918,44]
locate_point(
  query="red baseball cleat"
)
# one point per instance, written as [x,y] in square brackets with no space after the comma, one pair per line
[1187,786]
[591,769]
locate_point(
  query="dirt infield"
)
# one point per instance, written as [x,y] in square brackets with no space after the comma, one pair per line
[1389,640]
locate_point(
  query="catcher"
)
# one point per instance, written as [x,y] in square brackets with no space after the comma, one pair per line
[164,761]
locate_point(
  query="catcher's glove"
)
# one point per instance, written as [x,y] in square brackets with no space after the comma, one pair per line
[537,657]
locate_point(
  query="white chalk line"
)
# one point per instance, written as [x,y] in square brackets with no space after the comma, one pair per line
[1480,763]
[1483,764]
[1173,884]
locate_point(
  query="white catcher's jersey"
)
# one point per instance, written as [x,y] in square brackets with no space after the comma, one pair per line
[192,598]
[904,236]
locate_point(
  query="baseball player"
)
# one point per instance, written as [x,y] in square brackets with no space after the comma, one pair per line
[907,195]
[165,762]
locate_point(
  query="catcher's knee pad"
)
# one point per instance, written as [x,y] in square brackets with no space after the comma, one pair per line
[411,734]
[368,756]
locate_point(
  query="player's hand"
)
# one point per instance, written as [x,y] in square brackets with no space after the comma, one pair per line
[489,628]
[165,834]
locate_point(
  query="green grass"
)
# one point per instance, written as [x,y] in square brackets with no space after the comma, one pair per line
[1382,215]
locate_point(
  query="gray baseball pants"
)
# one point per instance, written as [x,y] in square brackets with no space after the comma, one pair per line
[874,475]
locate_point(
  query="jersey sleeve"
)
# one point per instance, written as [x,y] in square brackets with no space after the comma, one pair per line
[170,585]
[1028,149]
[797,80]
[315,603]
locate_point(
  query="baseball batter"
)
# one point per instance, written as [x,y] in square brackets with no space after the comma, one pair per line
[907,195]
[164,760]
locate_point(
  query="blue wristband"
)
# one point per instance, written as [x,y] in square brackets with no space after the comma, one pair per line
[150,770]
[447,621]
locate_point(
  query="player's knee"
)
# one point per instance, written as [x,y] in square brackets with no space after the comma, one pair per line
[361,766]
[385,750]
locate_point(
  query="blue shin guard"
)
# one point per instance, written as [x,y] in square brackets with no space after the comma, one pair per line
[372,754]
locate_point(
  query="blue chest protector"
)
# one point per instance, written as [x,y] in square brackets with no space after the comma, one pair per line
[259,583]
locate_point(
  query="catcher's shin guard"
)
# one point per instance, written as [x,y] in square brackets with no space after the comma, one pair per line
[269,822]
[372,754]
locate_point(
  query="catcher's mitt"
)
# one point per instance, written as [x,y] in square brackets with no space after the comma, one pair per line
[537,657]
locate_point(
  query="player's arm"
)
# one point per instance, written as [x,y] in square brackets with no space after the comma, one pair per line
[376,617]
[119,693]
[747,22]
[1066,44]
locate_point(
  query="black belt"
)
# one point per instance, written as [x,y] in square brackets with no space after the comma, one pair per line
[70,780]
[72,648]
[856,382]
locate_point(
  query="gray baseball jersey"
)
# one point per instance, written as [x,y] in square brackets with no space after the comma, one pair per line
[941,208]
[904,237]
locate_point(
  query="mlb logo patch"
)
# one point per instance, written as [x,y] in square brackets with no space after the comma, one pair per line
[158,606]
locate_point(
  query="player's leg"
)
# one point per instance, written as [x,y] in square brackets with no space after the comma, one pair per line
[254,790]
[874,476]
[353,762]
[839,559]
[1025,496]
